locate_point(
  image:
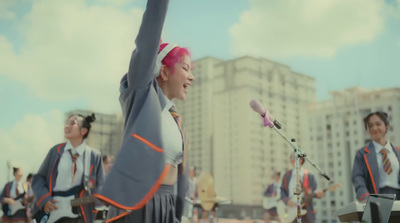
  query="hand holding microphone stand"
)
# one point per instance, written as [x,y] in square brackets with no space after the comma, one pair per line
[269,121]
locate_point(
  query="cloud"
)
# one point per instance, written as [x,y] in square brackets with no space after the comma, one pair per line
[5,9]
[73,50]
[28,141]
[305,27]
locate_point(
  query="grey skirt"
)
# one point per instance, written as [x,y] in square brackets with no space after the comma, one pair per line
[160,209]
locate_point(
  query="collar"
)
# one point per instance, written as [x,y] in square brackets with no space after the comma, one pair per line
[79,149]
[168,104]
[378,147]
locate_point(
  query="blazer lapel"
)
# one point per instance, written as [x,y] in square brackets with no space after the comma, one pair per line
[373,165]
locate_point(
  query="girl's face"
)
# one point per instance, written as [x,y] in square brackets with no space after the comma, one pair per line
[18,175]
[376,128]
[73,129]
[179,79]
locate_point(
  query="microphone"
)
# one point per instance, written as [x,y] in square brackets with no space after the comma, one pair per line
[268,120]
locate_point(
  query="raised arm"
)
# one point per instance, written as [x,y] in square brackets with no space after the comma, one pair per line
[141,67]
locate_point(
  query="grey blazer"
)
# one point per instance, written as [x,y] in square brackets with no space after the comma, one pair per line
[44,181]
[139,168]
[365,175]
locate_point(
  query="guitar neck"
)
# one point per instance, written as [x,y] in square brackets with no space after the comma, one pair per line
[83,200]
[310,197]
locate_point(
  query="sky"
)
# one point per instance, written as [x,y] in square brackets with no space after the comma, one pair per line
[56,56]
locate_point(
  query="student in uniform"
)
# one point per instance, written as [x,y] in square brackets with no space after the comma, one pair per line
[152,158]
[13,192]
[66,167]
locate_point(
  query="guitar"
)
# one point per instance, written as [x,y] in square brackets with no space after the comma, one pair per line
[288,214]
[10,210]
[270,202]
[67,206]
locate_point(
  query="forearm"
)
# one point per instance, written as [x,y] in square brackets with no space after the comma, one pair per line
[147,44]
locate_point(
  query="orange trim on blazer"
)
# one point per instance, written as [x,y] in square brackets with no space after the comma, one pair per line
[51,184]
[8,189]
[363,196]
[146,198]
[118,216]
[145,141]
[83,213]
[58,149]
[91,168]
[370,173]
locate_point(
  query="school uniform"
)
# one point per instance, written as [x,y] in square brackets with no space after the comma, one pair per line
[308,182]
[133,186]
[15,190]
[55,175]
[368,175]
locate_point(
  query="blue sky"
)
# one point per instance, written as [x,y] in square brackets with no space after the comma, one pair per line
[56,56]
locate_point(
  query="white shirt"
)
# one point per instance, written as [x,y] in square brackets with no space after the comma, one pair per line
[392,179]
[292,182]
[13,192]
[171,136]
[64,178]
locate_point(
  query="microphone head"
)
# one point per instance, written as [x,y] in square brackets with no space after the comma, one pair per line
[257,107]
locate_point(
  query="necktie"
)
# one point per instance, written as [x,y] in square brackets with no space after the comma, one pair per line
[16,190]
[387,166]
[74,157]
[178,120]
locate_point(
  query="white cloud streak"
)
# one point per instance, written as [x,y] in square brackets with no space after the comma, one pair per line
[73,51]
[305,27]
[28,141]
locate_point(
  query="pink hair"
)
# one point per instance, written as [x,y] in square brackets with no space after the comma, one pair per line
[174,56]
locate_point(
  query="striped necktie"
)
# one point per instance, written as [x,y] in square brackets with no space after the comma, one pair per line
[178,120]
[387,166]
[74,157]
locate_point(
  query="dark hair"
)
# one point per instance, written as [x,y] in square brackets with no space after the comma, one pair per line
[105,157]
[382,115]
[86,122]
[15,169]
[29,176]
[277,174]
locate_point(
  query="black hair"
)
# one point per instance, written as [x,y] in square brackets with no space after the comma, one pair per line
[29,176]
[277,174]
[105,157]
[382,115]
[86,120]
[15,169]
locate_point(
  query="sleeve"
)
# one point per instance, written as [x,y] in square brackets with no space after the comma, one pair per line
[313,183]
[3,194]
[284,192]
[183,186]
[100,176]
[40,186]
[268,191]
[359,177]
[143,59]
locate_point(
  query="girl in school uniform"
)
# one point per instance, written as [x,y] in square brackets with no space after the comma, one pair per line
[65,168]
[153,153]
[13,192]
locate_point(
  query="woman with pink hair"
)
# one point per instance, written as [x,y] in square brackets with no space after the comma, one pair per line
[153,153]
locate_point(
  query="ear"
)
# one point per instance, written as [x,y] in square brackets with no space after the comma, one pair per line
[84,131]
[164,72]
[387,128]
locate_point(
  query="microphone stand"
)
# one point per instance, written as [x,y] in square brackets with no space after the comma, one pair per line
[298,153]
